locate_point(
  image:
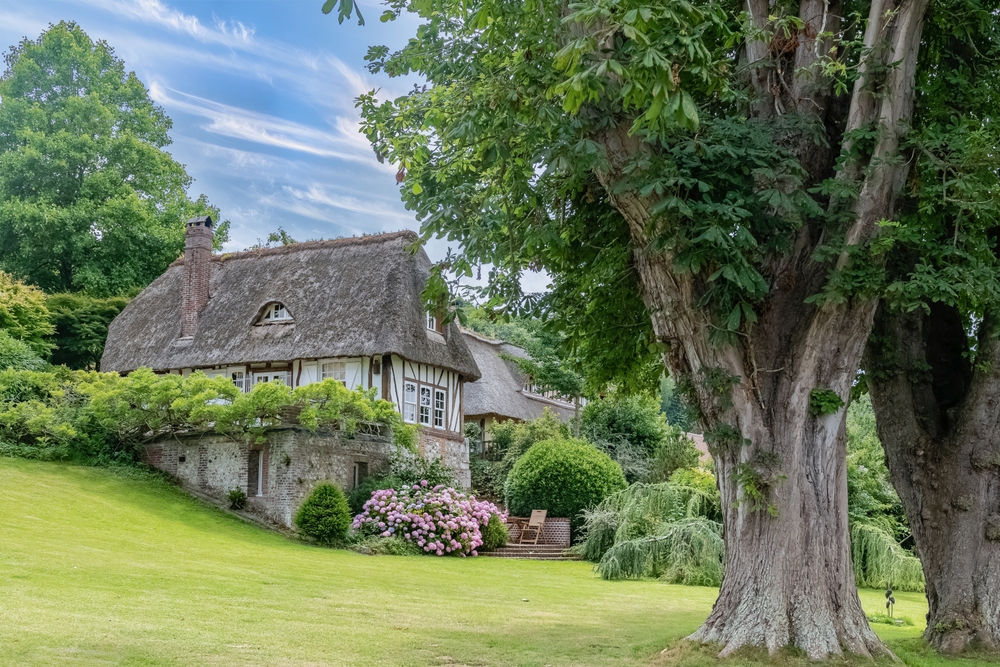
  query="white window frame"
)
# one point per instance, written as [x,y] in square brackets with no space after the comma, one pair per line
[440,399]
[425,405]
[239,379]
[270,376]
[336,370]
[276,312]
[409,402]
[432,321]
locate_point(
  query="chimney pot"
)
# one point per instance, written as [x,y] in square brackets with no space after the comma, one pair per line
[197,272]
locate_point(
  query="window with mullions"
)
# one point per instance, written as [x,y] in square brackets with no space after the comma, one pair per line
[336,370]
[281,377]
[439,408]
[409,402]
[425,405]
[240,380]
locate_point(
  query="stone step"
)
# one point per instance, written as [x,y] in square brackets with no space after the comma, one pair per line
[522,552]
[536,547]
[536,558]
[533,552]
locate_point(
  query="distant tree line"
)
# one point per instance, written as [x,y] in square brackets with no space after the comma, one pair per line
[92,207]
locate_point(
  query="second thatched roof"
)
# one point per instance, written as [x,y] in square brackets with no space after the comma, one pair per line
[500,392]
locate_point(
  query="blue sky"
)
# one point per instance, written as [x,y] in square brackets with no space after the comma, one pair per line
[262,99]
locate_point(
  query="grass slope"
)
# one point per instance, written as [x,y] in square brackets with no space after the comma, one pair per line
[97,569]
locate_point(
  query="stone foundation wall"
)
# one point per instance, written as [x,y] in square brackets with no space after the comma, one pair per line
[451,449]
[294,461]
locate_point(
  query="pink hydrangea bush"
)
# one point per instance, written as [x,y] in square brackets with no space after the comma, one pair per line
[439,520]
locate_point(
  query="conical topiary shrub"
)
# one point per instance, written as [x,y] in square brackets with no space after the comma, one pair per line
[325,515]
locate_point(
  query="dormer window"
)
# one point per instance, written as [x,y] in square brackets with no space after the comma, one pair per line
[432,322]
[274,313]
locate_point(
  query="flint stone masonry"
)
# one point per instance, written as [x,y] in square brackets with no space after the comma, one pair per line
[294,461]
[451,449]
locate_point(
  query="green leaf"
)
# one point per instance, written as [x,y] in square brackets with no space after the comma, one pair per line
[653,112]
[690,109]
[733,321]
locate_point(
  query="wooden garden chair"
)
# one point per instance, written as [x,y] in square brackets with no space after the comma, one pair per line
[533,529]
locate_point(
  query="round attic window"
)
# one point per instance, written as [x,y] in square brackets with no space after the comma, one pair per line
[274,313]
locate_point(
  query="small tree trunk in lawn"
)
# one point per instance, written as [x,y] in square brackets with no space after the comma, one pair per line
[781,467]
[939,422]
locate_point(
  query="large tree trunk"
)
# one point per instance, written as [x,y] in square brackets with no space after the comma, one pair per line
[781,467]
[939,422]
[788,577]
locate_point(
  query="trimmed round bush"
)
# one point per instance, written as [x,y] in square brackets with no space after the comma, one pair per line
[495,534]
[325,515]
[564,477]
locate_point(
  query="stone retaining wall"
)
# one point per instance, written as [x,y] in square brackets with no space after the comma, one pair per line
[294,461]
[451,449]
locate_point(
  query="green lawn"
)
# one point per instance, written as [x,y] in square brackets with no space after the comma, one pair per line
[97,569]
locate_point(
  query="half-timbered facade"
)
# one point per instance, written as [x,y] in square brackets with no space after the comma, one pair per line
[347,309]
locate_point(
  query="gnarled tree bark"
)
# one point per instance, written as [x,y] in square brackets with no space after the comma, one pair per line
[939,422]
[781,468]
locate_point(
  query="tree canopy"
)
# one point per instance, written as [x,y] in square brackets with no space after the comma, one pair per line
[89,198]
[81,326]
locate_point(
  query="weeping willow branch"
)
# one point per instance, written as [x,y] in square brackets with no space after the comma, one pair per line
[673,532]
[879,561]
[689,552]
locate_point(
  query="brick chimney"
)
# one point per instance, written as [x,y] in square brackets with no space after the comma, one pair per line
[197,272]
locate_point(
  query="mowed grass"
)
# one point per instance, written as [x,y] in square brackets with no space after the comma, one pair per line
[97,569]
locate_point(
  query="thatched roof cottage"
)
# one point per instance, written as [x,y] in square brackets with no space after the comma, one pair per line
[504,392]
[348,309]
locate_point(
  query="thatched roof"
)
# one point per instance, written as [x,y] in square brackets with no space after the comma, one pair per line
[500,391]
[348,297]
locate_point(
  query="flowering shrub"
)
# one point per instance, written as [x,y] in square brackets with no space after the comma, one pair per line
[439,519]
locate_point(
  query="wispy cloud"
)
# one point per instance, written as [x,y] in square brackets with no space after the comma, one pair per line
[344,142]
[237,159]
[317,195]
[233,34]
[20,24]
